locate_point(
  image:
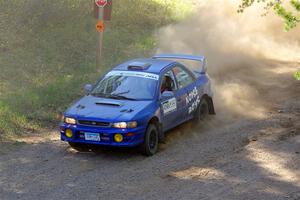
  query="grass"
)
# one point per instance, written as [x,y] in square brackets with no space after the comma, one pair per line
[48,51]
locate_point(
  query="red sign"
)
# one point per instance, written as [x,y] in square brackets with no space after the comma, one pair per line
[101,3]
[107,11]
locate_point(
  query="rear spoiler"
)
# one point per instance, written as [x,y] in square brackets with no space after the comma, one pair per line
[201,59]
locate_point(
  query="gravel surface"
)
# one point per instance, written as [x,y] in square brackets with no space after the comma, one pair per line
[233,155]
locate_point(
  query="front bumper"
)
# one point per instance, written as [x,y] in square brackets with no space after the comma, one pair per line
[106,135]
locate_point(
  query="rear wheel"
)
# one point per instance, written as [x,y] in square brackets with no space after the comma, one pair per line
[79,146]
[202,111]
[150,145]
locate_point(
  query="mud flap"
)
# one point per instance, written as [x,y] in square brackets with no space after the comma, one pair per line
[211,107]
[161,134]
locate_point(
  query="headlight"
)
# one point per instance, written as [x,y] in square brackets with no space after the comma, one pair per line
[125,124]
[70,120]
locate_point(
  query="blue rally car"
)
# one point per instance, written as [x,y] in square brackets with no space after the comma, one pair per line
[137,102]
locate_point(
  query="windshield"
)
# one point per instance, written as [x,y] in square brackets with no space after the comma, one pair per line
[128,85]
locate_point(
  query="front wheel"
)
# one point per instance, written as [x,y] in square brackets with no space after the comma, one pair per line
[150,145]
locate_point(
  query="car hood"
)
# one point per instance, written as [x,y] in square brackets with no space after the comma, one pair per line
[106,109]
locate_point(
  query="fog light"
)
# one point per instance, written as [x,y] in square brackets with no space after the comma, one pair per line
[118,137]
[69,133]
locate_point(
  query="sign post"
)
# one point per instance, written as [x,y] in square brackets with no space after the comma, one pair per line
[100,26]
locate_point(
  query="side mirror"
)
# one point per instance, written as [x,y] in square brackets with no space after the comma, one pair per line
[88,88]
[167,95]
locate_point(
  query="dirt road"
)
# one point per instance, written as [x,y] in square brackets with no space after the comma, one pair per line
[249,150]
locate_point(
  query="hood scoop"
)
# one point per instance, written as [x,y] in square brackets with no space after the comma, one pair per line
[105,103]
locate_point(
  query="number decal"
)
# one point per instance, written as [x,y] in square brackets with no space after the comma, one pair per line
[169,106]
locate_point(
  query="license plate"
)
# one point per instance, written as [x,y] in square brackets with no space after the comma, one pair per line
[92,136]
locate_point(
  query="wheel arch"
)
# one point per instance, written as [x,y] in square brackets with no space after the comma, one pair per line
[155,120]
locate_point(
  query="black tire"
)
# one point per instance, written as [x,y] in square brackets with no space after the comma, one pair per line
[202,111]
[150,145]
[79,146]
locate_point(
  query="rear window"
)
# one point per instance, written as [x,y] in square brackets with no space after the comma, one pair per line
[183,77]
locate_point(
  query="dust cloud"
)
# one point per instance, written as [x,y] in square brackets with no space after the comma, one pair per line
[243,50]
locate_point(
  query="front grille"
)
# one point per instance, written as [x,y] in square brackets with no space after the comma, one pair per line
[93,123]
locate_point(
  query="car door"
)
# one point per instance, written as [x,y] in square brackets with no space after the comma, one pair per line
[171,105]
[187,91]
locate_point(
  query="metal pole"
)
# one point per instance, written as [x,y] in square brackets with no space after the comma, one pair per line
[100,36]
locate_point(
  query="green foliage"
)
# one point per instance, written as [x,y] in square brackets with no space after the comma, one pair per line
[48,52]
[11,122]
[296,4]
[291,19]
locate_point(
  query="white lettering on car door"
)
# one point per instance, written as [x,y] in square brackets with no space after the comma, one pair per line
[194,99]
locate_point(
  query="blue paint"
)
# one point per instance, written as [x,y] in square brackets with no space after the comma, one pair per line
[137,82]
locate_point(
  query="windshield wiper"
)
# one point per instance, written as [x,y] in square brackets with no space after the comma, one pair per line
[117,96]
[119,93]
[120,96]
[99,94]
[113,96]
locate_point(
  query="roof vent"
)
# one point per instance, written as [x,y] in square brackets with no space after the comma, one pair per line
[138,66]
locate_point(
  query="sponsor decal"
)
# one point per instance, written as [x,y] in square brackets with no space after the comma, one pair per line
[169,106]
[194,105]
[136,74]
[193,100]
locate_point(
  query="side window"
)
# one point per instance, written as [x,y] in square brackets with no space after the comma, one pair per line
[167,82]
[183,77]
